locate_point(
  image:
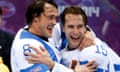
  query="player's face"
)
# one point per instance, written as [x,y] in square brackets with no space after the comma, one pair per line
[47,20]
[74,27]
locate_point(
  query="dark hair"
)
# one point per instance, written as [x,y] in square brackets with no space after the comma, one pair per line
[36,8]
[73,10]
[0,11]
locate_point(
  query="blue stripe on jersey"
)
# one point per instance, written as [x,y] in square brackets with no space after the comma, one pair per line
[26,34]
[117,67]
[83,62]
[50,51]
[36,68]
[64,39]
[98,69]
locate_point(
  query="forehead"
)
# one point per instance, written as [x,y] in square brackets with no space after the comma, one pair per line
[73,18]
[50,9]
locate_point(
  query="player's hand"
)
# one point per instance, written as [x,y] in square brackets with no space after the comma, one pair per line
[41,56]
[87,40]
[89,67]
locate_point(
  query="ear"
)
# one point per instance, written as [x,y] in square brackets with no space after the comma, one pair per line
[36,19]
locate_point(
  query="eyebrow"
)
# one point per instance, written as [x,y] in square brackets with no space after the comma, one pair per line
[49,9]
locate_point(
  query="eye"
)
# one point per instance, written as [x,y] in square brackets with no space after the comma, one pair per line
[51,17]
[80,26]
[70,26]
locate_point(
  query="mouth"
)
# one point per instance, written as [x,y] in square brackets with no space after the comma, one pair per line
[50,28]
[75,38]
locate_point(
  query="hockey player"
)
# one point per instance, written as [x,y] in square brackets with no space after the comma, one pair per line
[74,22]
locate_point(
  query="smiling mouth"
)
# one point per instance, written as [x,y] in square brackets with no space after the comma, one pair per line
[50,28]
[75,38]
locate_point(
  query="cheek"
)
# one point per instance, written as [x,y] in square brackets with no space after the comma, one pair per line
[42,24]
[83,30]
[68,34]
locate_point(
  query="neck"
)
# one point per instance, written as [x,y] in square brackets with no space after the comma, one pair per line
[71,48]
[36,33]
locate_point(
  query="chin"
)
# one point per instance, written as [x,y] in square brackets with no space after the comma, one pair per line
[49,36]
[75,45]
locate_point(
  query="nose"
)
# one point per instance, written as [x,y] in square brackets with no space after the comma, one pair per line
[54,21]
[76,31]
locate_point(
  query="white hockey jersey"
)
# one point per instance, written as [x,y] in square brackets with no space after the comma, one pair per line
[107,59]
[20,44]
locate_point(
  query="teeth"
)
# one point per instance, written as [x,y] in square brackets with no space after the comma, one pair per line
[75,37]
[50,26]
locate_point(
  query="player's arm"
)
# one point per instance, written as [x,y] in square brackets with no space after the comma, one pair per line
[43,58]
[87,39]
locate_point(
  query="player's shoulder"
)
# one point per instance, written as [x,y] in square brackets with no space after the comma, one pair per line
[26,38]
